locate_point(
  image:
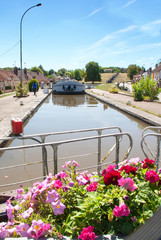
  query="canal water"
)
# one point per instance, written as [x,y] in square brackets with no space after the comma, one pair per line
[70,112]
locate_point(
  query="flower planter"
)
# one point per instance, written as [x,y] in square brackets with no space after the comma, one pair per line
[85,205]
[101,237]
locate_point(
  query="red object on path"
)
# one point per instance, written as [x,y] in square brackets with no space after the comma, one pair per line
[17,126]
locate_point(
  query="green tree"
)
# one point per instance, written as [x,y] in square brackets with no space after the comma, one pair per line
[77,74]
[133,69]
[92,72]
[36,69]
[62,72]
[51,71]
[70,73]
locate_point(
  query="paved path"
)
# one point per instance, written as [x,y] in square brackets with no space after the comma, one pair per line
[10,107]
[150,112]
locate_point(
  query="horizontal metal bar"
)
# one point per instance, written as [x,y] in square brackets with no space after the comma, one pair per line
[65,141]
[60,133]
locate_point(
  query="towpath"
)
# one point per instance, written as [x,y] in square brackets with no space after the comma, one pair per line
[13,107]
[149,112]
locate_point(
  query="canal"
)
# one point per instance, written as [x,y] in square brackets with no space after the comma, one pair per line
[63,113]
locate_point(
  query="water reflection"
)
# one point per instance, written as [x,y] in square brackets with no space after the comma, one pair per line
[68,100]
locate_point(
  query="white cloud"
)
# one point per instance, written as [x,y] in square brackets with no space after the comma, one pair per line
[152,28]
[112,35]
[94,12]
[127,4]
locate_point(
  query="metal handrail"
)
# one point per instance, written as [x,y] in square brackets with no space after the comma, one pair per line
[56,144]
[158,128]
[59,133]
[157,156]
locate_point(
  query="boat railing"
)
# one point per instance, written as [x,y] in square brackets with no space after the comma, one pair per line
[148,150]
[56,144]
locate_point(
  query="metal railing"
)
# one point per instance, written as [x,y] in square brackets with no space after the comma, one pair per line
[56,144]
[156,156]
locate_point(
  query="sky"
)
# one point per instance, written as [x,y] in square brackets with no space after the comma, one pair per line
[70,33]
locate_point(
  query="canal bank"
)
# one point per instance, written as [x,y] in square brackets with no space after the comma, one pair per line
[21,108]
[149,112]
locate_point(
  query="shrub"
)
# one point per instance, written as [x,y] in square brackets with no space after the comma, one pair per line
[7,87]
[138,91]
[113,90]
[21,90]
[145,88]
[30,84]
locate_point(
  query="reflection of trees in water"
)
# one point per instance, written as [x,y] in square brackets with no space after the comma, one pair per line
[91,100]
[68,100]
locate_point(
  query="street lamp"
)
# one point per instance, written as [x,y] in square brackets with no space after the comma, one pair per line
[21,37]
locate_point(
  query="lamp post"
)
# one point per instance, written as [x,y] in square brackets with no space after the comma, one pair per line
[21,38]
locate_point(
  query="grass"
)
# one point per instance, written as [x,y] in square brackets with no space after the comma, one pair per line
[105,87]
[122,77]
[106,76]
[6,94]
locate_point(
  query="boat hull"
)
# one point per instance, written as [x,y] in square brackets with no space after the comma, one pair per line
[69,88]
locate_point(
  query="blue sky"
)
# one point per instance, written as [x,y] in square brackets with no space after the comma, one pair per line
[71,33]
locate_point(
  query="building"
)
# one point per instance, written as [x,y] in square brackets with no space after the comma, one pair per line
[9,79]
[156,74]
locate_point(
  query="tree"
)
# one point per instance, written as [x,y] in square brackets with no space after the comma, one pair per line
[132,70]
[36,69]
[77,74]
[92,72]
[62,72]
[51,71]
[70,73]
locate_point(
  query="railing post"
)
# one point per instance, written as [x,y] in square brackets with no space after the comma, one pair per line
[117,151]
[158,152]
[55,148]
[44,158]
[99,152]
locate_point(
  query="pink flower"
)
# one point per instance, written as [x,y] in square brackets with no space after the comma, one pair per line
[92,187]
[121,211]
[81,180]
[58,207]
[10,210]
[87,234]
[57,184]
[19,193]
[61,175]
[27,213]
[3,230]
[74,163]
[22,229]
[38,228]
[52,196]
[127,183]
[152,176]
[27,196]
[134,161]
[66,164]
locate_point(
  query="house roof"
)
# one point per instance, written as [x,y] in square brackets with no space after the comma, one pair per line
[157,69]
[10,75]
